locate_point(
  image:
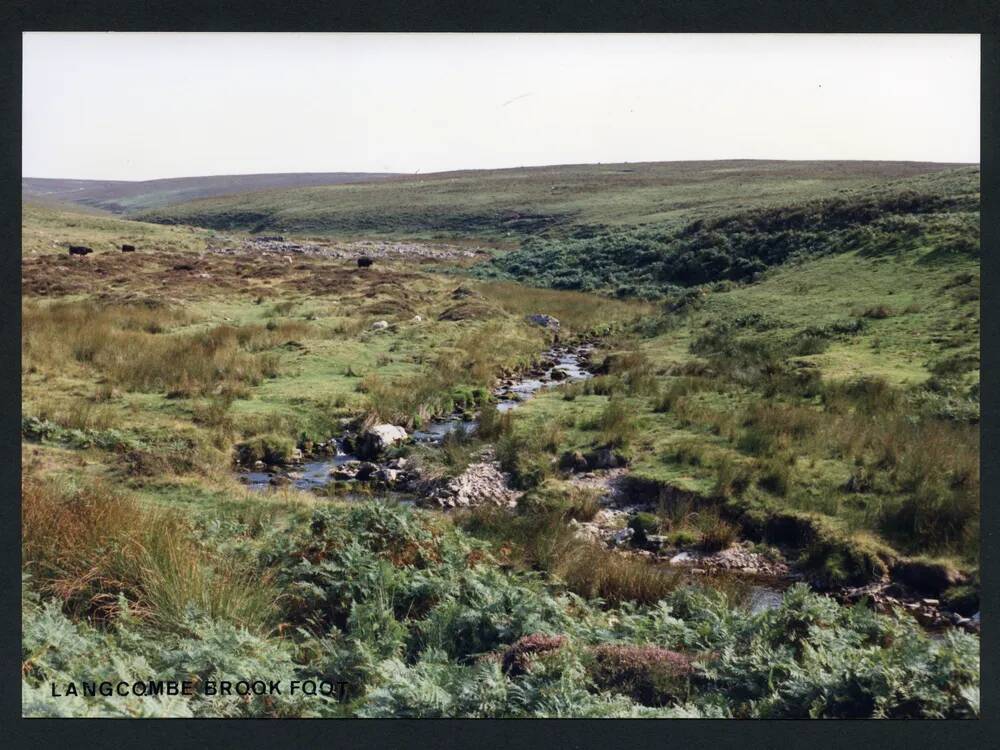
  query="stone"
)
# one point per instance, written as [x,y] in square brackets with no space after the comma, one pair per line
[397,463]
[259,465]
[366,469]
[622,537]
[417,319]
[482,483]
[386,476]
[371,443]
[380,325]
[545,321]
[655,542]
[345,472]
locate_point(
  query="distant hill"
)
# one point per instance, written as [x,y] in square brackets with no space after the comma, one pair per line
[513,204]
[119,196]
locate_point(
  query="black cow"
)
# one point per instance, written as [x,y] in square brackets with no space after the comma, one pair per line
[79,250]
[128,248]
[364,262]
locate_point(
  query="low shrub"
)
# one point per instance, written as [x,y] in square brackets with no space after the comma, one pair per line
[878,312]
[519,656]
[649,675]
[643,525]
[523,458]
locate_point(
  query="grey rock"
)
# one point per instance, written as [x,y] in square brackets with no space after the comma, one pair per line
[374,441]
[622,537]
[387,476]
[545,321]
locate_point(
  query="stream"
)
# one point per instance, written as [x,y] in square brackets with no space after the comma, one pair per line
[564,364]
[561,364]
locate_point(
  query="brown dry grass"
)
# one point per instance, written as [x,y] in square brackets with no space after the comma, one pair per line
[90,544]
[131,346]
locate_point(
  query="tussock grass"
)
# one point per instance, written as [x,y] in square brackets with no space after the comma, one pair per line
[89,544]
[544,541]
[475,359]
[616,423]
[574,310]
[131,347]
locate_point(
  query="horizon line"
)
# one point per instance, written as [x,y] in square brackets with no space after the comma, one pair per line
[500,169]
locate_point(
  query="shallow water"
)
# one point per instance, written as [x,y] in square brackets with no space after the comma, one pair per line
[308,476]
[568,361]
[762,598]
[316,474]
[439,428]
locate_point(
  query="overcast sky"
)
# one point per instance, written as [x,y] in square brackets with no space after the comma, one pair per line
[142,106]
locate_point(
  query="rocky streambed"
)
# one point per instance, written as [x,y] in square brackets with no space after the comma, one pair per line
[354,455]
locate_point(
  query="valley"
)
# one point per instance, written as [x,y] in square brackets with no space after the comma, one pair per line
[676,439]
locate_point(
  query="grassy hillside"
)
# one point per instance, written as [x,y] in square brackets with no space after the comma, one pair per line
[50,229]
[122,196]
[938,210]
[512,204]
[846,387]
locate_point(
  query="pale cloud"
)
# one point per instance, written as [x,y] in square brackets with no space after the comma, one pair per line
[141,106]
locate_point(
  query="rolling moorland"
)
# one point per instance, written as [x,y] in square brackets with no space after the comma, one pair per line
[122,196]
[759,496]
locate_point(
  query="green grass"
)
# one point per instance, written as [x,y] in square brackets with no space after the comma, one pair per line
[503,206]
[51,229]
